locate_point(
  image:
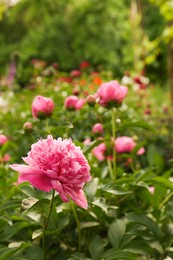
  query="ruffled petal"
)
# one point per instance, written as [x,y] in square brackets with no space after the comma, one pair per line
[25,169]
[59,188]
[39,181]
[78,197]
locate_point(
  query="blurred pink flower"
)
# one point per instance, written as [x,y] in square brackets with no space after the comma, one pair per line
[56,164]
[3,139]
[74,103]
[111,94]
[75,73]
[99,151]
[5,158]
[125,144]
[97,128]
[42,107]
[87,141]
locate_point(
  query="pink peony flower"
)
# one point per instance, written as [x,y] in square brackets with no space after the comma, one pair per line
[74,103]
[111,94]
[3,139]
[125,144]
[42,107]
[97,128]
[84,64]
[56,164]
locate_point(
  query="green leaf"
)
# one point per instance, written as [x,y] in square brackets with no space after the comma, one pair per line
[113,254]
[10,204]
[96,246]
[37,233]
[91,188]
[155,159]
[146,221]
[115,189]
[139,124]
[89,224]
[116,232]
[138,247]
[34,252]
[27,190]
[5,253]
[12,230]
[161,181]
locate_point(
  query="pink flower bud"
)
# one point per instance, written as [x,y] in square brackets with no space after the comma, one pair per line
[42,107]
[97,128]
[111,94]
[3,139]
[27,126]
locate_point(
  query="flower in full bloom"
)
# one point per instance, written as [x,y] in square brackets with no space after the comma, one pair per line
[3,139]
[74,103]
[125,144]
[111,94]
[97,128]
[42,107]
[56,164]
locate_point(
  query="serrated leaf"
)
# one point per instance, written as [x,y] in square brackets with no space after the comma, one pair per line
[116,232]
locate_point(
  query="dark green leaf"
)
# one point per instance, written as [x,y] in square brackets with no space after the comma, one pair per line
[113,254]
[115,189]
[96,246]
[116,232]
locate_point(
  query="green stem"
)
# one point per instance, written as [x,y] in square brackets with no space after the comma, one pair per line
[78,225]
[46,224]
[110,169]
[114,137]
[47,127]
[166,200]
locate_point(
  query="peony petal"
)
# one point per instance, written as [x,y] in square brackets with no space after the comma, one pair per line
[77,196]
[25,169]
[39,181]
[59,188]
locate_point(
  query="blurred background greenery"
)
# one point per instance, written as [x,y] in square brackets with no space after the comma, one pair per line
[121,36]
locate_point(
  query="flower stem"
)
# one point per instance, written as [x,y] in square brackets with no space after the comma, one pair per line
[78,226]
[166,200]
[113,146]
[46,223]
